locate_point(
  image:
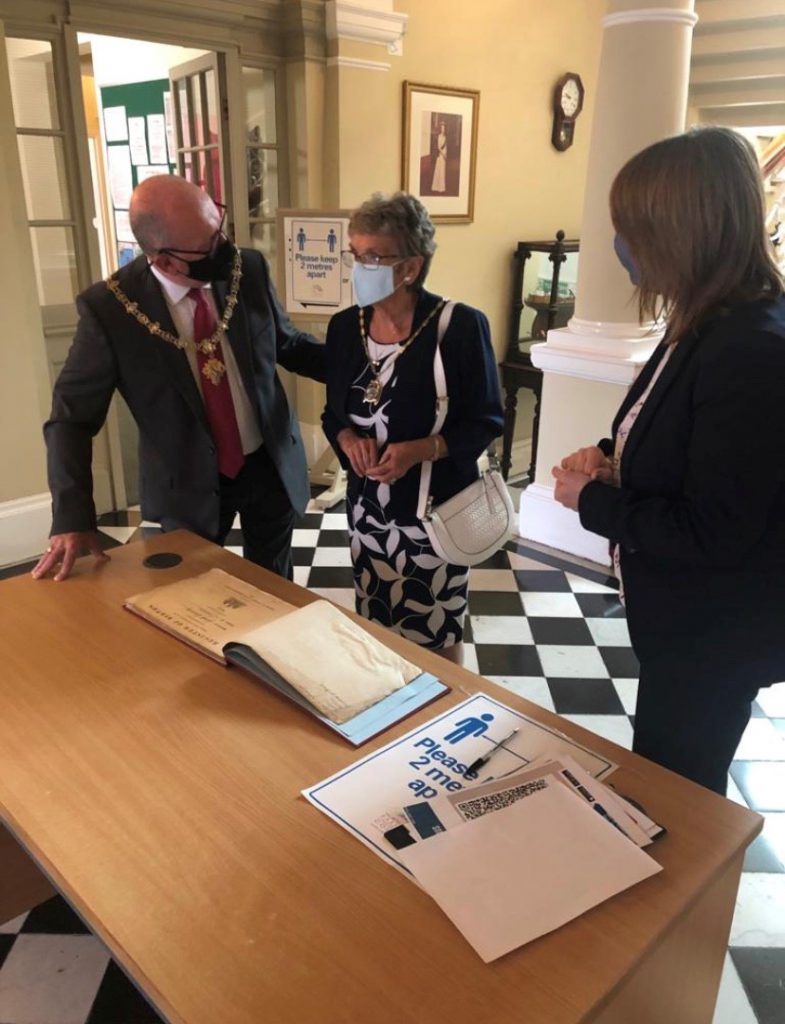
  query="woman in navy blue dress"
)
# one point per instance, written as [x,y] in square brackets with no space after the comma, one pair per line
[381,407]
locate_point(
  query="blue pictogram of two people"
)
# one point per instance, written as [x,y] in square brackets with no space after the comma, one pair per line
[302,238]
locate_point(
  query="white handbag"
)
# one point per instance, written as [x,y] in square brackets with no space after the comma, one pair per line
[474,523]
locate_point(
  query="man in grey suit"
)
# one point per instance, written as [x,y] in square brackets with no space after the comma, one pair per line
[189,334]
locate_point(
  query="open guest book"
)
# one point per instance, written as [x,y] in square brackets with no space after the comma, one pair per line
[316,655]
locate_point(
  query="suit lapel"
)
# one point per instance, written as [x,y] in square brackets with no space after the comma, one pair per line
[637,388]
[676,362]
[173,359]
[239,338]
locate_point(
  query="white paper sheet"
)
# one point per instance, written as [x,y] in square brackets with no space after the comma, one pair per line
[121,183]
[506,878]
[115,124]
[169,128]
[604,798]
[137,140]
[149,171]
[448,810]
[122,227]
[156,135]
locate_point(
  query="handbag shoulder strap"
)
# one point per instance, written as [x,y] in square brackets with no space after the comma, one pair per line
[442,402]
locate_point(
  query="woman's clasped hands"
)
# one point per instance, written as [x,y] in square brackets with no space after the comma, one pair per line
[578,469]
[362,452]
[396,459]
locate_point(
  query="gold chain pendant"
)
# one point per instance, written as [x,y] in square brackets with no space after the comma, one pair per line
[373,392]
[206,345]
[214,370]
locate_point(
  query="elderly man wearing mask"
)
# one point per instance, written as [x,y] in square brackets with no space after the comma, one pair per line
[189,333]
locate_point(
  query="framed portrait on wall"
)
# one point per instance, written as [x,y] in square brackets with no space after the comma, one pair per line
[440,149]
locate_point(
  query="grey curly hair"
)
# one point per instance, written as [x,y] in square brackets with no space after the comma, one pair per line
[404,218]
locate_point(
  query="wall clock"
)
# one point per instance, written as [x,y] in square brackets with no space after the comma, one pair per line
[567,104]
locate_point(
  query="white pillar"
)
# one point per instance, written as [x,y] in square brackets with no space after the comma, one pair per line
[589,365]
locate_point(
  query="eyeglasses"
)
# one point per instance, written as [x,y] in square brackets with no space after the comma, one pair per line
[370,260]
[216,240]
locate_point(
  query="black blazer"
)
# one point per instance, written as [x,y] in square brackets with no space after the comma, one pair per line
[474,418]
[177,458]
[700,515]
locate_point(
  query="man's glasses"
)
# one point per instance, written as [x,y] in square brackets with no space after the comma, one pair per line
[217,238]
[370,260]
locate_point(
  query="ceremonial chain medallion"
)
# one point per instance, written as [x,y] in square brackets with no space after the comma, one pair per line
[213,369]
[373,392]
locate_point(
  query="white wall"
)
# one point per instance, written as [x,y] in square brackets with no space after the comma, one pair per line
[122,61]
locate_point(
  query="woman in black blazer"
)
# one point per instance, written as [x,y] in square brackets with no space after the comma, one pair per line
[690,488]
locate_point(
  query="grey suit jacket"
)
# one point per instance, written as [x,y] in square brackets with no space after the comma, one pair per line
[177,458]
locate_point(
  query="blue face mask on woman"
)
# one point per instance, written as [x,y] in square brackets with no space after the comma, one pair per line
[372,284]
[625,257]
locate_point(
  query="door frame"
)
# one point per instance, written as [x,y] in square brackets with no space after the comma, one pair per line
[59,26]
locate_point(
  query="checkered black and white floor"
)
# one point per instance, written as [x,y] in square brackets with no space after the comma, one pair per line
[547,628]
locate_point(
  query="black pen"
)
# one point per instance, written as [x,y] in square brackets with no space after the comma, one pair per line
[604,814]
[482,761]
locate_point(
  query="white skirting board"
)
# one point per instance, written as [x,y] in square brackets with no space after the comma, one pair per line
[542,519]
[24,528]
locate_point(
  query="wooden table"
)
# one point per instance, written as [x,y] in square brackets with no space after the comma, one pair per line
[160,793]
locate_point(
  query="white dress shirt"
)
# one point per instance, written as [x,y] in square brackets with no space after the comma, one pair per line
[181,308]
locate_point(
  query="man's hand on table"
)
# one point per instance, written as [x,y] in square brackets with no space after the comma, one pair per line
[64,549]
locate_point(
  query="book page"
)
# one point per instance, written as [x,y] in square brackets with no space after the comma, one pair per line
[331,660]
[210,610]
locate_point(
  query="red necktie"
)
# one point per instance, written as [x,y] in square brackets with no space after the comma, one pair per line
[217,397]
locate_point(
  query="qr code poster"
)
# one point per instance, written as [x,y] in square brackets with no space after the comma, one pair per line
[317,280]
[368,797]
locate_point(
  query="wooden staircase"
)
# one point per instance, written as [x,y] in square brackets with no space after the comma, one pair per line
[738,64]
[737,78]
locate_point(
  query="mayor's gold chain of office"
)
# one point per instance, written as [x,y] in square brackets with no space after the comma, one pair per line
[213,368]
[373,391]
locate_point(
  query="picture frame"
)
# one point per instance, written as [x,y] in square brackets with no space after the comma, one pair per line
[439,152]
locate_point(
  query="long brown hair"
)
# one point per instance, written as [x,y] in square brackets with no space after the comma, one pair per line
[691,210]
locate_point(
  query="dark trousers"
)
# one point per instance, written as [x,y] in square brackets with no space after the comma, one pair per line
[266,515]
[690,720]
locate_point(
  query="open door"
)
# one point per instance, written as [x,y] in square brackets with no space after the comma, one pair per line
[200,124]
[54,162]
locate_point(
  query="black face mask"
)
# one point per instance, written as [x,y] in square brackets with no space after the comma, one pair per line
[212,268]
